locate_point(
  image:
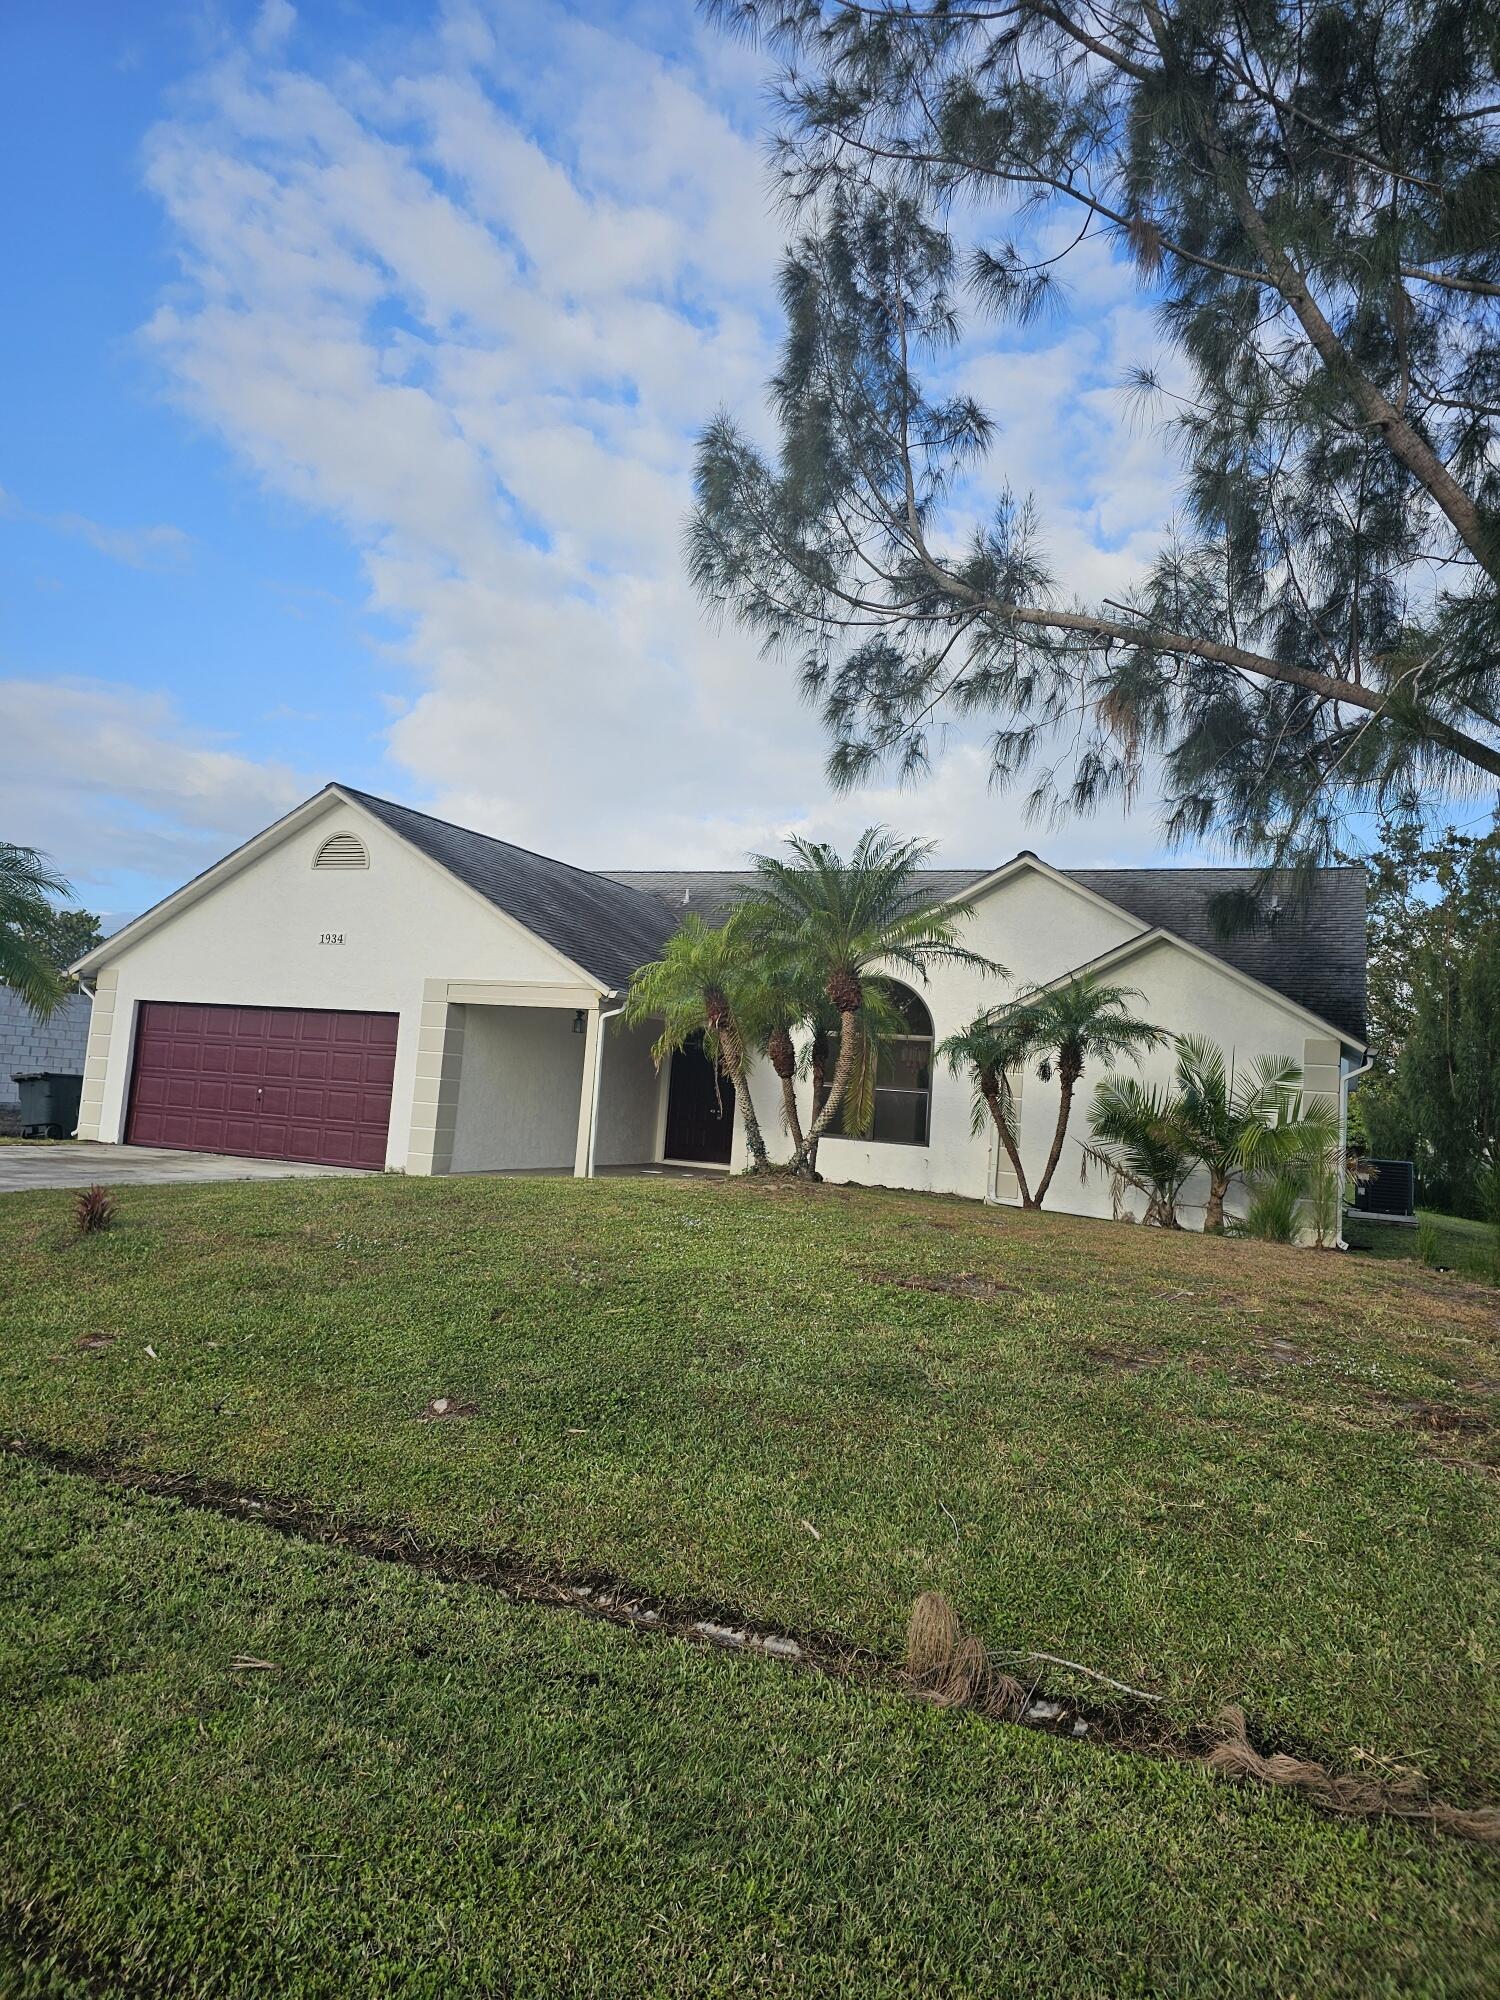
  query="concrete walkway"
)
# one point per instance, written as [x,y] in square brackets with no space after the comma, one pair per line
[82,1163]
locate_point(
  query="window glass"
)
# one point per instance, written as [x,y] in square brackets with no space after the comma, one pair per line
[903,1077]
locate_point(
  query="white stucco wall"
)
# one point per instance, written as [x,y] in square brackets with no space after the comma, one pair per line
[630,1098]
[254,940]
[518,1093]
[1039,929]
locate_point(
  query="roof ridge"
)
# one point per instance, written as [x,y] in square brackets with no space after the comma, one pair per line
[495,839]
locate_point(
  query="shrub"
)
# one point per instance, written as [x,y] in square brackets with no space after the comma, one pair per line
[93,1210]
[1275,1211]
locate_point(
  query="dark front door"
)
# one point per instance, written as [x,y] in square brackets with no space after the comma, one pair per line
[700,1108]
[276,1083]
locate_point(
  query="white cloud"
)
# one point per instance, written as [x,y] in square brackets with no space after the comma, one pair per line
[113,783]
[471,299]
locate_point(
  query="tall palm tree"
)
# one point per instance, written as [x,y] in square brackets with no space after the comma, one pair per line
[986,1051]
[26,886]
[839,920]
[1243,1124]
[1079,1021]
[706,982]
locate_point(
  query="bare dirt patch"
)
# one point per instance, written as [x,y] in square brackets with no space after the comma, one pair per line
[954,1285]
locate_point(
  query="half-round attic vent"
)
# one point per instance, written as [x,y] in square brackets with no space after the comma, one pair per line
[342,850]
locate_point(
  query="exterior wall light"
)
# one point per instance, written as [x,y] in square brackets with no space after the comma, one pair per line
[580,1023]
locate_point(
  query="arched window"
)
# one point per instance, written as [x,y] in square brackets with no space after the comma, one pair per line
[903,1076]
[342,850]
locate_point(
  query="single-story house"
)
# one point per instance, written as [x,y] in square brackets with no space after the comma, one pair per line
[362,984]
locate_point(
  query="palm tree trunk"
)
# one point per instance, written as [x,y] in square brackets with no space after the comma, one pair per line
[819,1073]
[1067,1076]
[784,1061]
[734,1062]
[789,1108]
[842,1069]
[1213,1213]
[1007,1140]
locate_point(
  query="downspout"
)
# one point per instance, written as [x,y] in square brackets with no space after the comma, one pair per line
[1345,1080]
[605,1014]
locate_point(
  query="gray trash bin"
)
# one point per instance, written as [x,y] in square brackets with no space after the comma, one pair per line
[49,1103]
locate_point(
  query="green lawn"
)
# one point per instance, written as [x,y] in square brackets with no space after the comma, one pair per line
[1453,1242]
[436,1793]
[1214,1470]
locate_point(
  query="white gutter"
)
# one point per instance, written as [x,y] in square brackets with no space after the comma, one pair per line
[1345,1080]
[605,1014]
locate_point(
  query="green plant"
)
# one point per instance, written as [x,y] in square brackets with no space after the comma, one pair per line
[837,921]
[1242,1122]
[1080,1020]
[1274,1214]
[705,982]
[987,1051]
[1141,1141]
[1428,1247]
[1311,198]
[27,914]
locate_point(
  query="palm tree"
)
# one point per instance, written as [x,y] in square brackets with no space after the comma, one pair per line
[1243,1124]
[986,1051]
[705,982]
[838,920]
[1142,1141]
[26,885]
[1253,1125]
[786,996]
[1078,1021]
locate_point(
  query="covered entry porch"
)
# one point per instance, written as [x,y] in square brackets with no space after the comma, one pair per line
[514,1078]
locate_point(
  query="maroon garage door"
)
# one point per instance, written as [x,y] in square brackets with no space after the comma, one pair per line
[278,1083]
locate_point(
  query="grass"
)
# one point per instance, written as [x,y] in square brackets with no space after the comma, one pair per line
[433,1792]
[1214,1470]
[1450,1242]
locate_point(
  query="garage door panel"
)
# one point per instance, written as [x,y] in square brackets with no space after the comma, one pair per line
[273,1083]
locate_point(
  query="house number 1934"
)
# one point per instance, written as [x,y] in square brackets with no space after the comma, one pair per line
[331,937]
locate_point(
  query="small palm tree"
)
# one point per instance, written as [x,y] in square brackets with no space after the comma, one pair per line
[1079,1021]
[26,886]
[705,982]
[838,920]
[1244,1124]
[1141,1141]
[986,1051]
[786,996]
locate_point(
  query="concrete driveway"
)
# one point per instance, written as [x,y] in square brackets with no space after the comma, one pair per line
[81,1163]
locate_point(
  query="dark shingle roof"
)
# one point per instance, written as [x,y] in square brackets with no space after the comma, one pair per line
[611,921]
[1312,948]
[1312,951]
[603,925]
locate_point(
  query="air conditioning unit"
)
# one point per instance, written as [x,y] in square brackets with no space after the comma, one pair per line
[1387,1190]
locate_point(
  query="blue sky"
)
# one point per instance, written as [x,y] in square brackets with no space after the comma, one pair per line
[354,362]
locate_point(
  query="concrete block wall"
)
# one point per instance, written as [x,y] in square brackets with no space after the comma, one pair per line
[27,1043]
